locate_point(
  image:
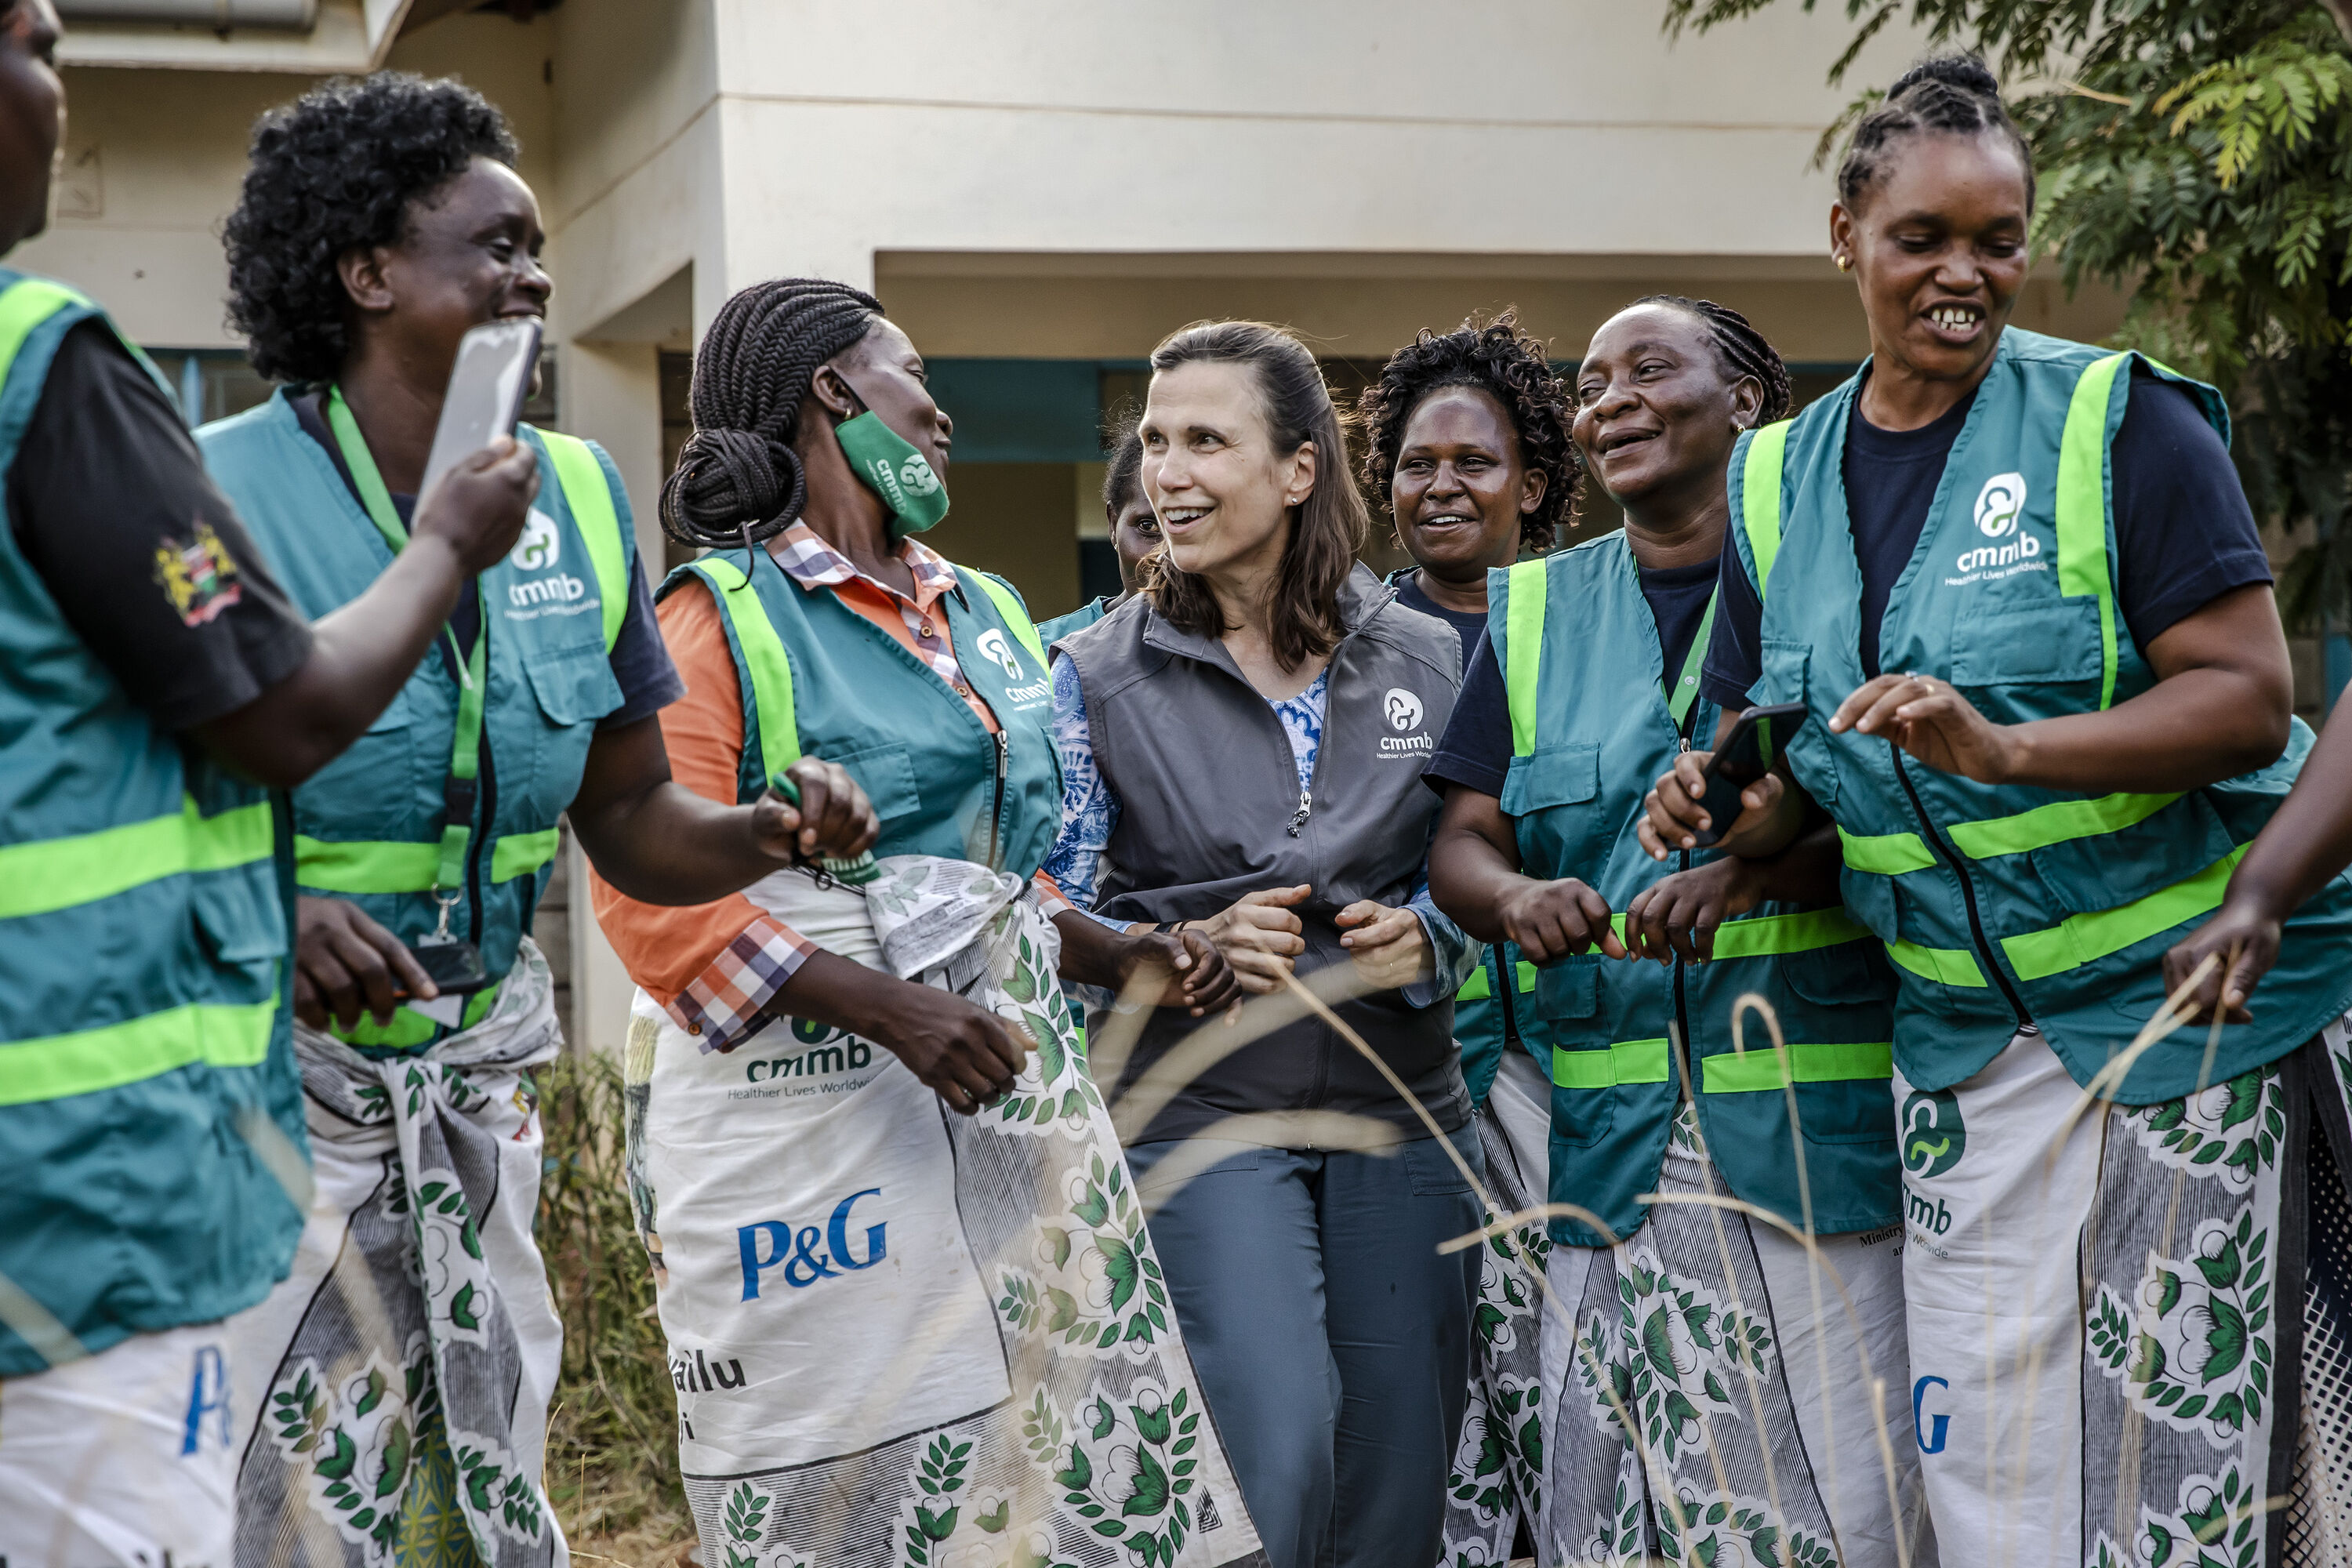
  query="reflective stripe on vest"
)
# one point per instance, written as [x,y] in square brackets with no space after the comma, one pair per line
[764,657]
[1478,988]
[365,865]
[56,1066]
[585,491]
[1523,651]
[1760,497]
[1746,1072]
[83,868]
[1008,604]
[2082,568]
[1762,936]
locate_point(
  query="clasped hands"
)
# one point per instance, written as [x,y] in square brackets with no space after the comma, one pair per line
[1261,937]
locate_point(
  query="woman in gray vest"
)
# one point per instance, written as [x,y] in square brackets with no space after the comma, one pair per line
[1241,746]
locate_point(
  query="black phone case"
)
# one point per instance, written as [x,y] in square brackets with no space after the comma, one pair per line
[455,966]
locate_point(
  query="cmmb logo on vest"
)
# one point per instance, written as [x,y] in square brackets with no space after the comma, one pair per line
[1404,711]
[2000,515]
[556,593]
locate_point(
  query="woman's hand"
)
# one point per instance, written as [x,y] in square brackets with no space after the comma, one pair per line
[2242,939]
[1386,944]
[1770,812]
[1199,978]
[478,507]
[1550,920]
[1259,936]
[961,1051]
[1932,722]
[1677,917]
[346,964]
[833,821]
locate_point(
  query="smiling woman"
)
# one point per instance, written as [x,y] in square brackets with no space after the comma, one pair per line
[2015,586]
[380,221]
[1241,747]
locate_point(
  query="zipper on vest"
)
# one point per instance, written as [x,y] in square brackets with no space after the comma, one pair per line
[996,812]
[1967,895]
[1305,809]
[1682,1006]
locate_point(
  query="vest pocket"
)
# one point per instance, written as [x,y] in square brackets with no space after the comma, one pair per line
[1568,994]
[1847,992]
[2084,876]
[887,774]
[574,685]
[1553,794]
[2029,661]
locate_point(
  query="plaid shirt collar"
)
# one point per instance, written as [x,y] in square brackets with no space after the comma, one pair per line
[812,562]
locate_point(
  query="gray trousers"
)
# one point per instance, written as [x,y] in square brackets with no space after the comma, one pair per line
[1332,1341]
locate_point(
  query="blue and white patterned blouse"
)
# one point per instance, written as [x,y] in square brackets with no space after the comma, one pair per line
[1090,810]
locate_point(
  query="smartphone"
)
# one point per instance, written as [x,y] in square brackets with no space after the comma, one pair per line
[486,392]
[455,966]
[1746,756]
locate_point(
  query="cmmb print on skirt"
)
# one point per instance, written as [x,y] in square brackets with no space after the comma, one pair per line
[901,1337]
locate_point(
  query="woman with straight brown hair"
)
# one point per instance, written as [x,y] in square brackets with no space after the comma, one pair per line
[1241,746]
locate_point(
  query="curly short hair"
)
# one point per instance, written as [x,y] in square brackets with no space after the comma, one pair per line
[338,169]
[1499,358]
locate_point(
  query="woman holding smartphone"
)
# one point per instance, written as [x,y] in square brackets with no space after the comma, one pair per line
[1756,1427]
[380,220]
[2016,586]
[1331,1336]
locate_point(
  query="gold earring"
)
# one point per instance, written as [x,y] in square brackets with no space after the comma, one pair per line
[1845,263]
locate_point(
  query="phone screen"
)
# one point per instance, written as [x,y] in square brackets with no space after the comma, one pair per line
[487,389]
[1746,756]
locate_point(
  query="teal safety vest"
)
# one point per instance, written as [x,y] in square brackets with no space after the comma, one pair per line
[819,680]
[147,1078]
[370,825]
[2004,905]
[1077,620]
[1488,1010]
[1591,727]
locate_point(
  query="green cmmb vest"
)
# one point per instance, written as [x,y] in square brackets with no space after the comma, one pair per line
[369,825]
[147,1078]
[1488,1010]
[2003,905]
[819,680]
[1591,728]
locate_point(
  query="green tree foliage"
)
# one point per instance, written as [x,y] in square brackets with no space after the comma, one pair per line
[2197,154]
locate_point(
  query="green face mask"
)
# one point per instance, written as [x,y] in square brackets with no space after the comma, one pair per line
[885,464]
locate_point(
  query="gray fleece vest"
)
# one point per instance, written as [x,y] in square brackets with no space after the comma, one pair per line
[1209,809]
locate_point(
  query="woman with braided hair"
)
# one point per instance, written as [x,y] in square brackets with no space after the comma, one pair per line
[2016,587]
[884,1203]
[380,220]
[1698,1369]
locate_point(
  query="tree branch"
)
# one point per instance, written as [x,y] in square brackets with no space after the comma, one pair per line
[2342,11]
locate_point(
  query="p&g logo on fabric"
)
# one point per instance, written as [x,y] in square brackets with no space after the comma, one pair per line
[541,544]
[993,646]
[771,1242]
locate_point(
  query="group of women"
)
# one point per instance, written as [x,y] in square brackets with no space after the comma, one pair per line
[1285,1066]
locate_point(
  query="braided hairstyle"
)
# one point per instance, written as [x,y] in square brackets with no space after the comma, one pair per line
[739,481]
[1742,349]
[1950,92]
[1500,360]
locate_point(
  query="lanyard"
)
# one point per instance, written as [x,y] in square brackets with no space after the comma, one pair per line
[1682,696]
[465,749]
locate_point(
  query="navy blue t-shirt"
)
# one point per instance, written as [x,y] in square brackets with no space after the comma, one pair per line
[1475,750]
[1468,625]
[2184,533]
